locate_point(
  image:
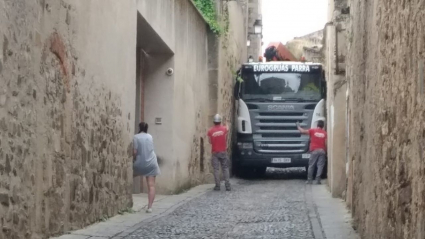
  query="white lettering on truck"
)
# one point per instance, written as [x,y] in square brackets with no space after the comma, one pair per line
[281,68]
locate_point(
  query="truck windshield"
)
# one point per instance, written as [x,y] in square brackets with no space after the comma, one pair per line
[282,86]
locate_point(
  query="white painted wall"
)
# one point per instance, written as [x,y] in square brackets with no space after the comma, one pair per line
[180,100]
[160,14]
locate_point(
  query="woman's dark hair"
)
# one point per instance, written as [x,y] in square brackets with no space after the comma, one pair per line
[143,127]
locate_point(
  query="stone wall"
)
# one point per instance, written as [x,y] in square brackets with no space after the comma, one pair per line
[335,51]
[254,13]
[307,46]
[66,113]
[225,55]
[387,120]
[233,52]
[191,106]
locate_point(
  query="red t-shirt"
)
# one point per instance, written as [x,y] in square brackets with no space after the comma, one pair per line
[218,135]
[317,139]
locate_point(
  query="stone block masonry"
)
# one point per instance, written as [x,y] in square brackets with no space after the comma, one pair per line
[68,104]
[66,113]
[387,105]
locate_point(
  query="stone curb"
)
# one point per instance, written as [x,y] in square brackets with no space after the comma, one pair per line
[121,226]
[313,214]
[333,216]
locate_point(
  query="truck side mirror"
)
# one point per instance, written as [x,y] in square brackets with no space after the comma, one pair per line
[324,86]
[236,90]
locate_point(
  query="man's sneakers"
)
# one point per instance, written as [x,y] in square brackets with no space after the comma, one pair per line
[149,210]
[228,188]
[317,182]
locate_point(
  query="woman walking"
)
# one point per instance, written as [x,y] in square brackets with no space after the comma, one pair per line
[146,163]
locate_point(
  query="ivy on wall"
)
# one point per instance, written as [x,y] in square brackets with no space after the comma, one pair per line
[208,11]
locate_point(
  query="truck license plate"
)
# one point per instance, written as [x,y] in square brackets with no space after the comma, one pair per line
[281,160]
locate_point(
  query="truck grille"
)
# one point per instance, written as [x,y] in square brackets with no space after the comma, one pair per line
[282,114]
[278,121]
[277,133]
[278,127]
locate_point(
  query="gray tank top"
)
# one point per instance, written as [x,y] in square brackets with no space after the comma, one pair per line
[146,163]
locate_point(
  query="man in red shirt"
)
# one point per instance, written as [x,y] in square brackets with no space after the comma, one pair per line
[217,137]
[317,150]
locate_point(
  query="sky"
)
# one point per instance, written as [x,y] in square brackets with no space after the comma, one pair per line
[285,19]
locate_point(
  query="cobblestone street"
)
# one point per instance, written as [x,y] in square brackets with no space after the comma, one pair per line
[259,208]
[279,205]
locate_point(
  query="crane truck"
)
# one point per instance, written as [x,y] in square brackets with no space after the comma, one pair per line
[271,97]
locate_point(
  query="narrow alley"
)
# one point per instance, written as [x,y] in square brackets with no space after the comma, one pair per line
[278,205]
[119,118]
[254,209]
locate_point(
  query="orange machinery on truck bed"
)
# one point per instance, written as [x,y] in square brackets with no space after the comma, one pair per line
[276,51]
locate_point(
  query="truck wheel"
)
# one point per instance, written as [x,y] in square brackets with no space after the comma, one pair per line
[247,172]
[236,170]
[261,171]
[239,171]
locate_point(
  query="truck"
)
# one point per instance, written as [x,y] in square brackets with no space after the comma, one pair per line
[271,97]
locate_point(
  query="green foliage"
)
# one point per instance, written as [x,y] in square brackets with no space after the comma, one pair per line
[239,79]
[127,210]
[103,218]
[311,87]
[207,9]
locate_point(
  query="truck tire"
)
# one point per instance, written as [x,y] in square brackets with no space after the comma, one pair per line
[261,171]
[235,168]
[237,171]
[247,172]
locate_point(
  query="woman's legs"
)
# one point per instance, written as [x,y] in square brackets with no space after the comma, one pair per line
[150,181]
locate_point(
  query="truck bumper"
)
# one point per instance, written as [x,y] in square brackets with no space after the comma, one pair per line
[250,158]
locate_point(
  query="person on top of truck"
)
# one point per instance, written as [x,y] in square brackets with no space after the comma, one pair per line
[318,138]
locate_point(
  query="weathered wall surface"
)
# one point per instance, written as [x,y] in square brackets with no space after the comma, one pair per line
[335,39]
[254,13]
[200,87]
[191,96]
[233,52]
[307,46]
[160,14]
[179,100]
[387,118]
[225,54]
[66,113]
